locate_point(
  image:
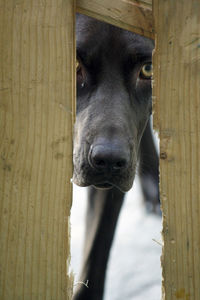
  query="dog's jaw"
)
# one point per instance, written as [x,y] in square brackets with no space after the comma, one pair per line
[84,177]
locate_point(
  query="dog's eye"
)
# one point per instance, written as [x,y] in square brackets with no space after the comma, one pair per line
[80,73]
[146,71]
[77,65]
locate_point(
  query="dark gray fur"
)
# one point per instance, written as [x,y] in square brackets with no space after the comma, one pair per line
[112,133]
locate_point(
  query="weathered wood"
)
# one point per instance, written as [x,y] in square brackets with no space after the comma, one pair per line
[37,90]
[131,15]
[177,95]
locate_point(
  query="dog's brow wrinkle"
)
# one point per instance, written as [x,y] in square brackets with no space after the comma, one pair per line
[87,56]
[139,51]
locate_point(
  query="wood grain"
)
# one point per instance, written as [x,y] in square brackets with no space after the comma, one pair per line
[131,15]
[36,109]
[176,91]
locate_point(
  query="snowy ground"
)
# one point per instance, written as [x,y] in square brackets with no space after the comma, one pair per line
[134,271]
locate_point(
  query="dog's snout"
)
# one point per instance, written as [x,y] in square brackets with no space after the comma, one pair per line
[108,157]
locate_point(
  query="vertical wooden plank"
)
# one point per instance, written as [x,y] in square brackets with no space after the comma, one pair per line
[177,101]
[36,109]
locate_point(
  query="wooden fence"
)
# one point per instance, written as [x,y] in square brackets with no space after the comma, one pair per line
[36,148]
[36,116]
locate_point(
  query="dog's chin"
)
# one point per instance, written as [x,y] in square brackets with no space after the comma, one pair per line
[103,186]
[123,186]
[107,186]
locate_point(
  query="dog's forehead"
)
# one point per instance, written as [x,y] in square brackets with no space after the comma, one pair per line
[92,34]
[136,43]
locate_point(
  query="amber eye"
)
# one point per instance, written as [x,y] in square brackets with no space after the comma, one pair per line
[146,71]
[77,65]
[80,74]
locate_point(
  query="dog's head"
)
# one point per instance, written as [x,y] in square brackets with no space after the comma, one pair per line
[114,72]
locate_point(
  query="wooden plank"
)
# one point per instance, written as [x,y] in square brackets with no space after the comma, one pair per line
[177,104]
[37,89]
[131,15]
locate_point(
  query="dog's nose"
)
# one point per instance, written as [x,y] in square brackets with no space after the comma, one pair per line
[108,156]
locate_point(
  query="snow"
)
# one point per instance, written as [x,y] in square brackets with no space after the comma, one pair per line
[134,271]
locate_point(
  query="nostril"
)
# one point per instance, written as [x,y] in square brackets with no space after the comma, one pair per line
[120,164]
[99,162]
[96,158]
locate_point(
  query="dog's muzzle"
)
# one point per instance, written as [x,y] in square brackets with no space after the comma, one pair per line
[107,164]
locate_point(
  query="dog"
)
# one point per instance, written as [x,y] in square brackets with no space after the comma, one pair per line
[112,135]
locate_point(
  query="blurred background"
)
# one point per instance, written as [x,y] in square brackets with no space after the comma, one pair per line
[134,270]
